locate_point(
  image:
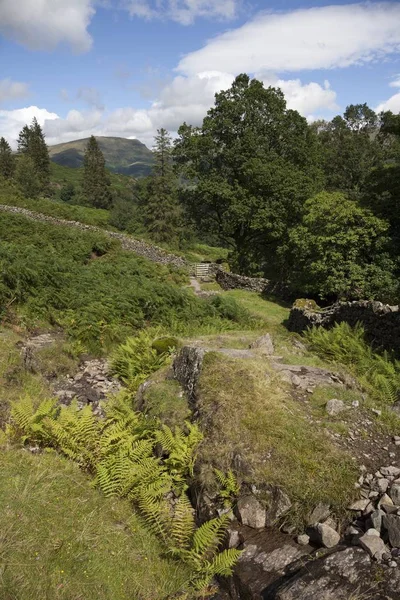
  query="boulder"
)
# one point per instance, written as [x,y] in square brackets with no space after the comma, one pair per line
[264,344]
[373,544]
[187,368]
[395,494]
[324,535]
[375,519]
[279,506]
[251,512]
[334,406]
[392,524]
[303,540]
[320,513]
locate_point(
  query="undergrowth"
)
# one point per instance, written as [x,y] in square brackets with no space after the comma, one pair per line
[378,373]
[133,457]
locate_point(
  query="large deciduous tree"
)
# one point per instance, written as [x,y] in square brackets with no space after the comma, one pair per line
[339,251]
[248,171]
[96,181]
[7,161]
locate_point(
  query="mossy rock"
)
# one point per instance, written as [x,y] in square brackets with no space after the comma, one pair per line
[164,344]
[306,304]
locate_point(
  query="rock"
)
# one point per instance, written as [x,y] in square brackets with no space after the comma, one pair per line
[278,507]
[375,519]
[393,564]
[251,512]
[303,540]
[392,524]
[340,575]
[395,494]
[383,485]
[264,344]
[324,535]
[334,407]
[372,531]
[319,514]
[390,471]
[233,538]
[373,544]
[187,368]
[359,505]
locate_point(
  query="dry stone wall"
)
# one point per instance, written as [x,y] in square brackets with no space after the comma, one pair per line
[149,251]
[380,321]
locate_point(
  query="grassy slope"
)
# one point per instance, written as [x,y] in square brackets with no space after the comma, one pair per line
[129,157]
[61,539]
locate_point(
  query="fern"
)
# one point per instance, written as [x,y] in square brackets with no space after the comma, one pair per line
[183,524]
[208,537]
[229,487]
[181,449]
[29,423]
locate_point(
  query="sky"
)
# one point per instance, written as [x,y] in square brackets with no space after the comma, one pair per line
[129,67]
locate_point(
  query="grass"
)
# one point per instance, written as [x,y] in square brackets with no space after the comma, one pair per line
[164,400]
[61,539]
[247,413]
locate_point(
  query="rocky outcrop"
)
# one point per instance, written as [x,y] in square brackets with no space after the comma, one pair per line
[149,251]
[380,321]
[187,368]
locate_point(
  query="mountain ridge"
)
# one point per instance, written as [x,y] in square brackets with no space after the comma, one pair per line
[122,155]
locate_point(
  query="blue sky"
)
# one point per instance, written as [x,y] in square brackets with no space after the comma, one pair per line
[128,67]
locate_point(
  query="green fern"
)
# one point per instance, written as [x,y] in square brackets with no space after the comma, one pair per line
[29,422]
[229,487]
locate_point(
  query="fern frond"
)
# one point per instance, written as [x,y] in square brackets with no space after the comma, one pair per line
[183,524]
[208,537]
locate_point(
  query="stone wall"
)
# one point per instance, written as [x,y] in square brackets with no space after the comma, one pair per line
[149,251]
[232,281]
[380,321]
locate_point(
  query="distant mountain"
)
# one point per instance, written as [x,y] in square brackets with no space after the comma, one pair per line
[129,157]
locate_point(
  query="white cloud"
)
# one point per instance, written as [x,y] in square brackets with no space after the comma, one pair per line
[42,24]
[10,90]
[12,121]
[183,99]
[182,11]
[313,38]
[396,82]
[306,98]
[393,104]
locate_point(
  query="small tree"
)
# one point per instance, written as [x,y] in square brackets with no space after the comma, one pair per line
[7,161]
[26,177]
[67,192]
[161,209]
[96,181]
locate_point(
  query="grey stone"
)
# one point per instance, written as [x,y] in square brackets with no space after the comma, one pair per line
[264,344]
[303,540]
[325,535]
[390,471]
[319,514]
[334,407]
[375,519]
[359,505]
[383,485]
[385,501]
[374,545]
[394,493]
[392,524]
[251,512]
[233,538]
[279,506]
[187,368]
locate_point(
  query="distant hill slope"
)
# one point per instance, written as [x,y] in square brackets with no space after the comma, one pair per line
[129,157]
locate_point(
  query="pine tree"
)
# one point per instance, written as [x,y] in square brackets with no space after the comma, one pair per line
[96,181]
[7,161]
[31,142]
[162,211]
[26,177]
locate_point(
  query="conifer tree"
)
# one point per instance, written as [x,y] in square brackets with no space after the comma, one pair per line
[96,181]
[31,142]
[162,211]
[7,161]
[26,177]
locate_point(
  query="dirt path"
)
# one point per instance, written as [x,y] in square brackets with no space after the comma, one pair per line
[149,251]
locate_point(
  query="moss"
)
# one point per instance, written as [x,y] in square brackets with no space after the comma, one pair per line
[306,304]
[165,344]
[166,401]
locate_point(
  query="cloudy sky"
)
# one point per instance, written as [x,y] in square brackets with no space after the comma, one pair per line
[127,67]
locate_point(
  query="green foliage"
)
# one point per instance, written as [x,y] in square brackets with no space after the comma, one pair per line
[164,345]
[7,161]
[26,177]
[96,181]
[67,192]
[339,251]
[249,169]
[121,452]
[135,360]
[32,144]
[229,487]
[379,373]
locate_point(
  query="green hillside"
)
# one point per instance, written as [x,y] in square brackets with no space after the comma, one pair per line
[129,157]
